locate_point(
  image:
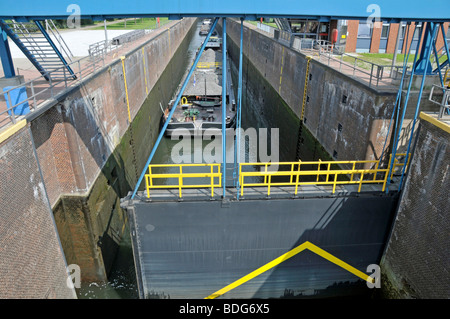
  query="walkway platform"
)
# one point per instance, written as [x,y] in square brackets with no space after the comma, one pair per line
[251,193]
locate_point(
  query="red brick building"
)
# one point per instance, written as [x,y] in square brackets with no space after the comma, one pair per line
[360,37]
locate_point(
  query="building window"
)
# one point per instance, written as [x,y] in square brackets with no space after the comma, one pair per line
[364,30]
[403,30]
[417,31]
[385,31]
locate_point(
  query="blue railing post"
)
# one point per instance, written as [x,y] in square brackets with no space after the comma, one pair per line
[5,55]
[186,81]
[426,53]
[224,104]
[239,110]
[399,127]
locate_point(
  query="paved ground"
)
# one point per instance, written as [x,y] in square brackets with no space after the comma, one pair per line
[78,41]
[360,74]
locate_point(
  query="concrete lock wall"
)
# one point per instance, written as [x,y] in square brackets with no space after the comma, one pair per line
[349,119]
[365,113]
[90,155]
[415,264]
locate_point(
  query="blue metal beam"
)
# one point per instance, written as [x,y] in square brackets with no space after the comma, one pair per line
[24,49]
[161,134]
[399,126]
[424,63]
[412,10]
[5,55]
[433,29]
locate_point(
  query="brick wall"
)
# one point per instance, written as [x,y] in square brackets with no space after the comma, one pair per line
[392,37]
[75,138]
[76,141]
[75,204]
[376,36]
[415,263]
[352,35]
[32,263]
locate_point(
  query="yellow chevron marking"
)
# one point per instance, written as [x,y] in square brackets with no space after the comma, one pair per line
[306,245]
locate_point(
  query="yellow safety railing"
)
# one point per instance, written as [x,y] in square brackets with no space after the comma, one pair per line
[182,176]
[209,65]
[208,172]
[447,78]
[397,162]
[314,173]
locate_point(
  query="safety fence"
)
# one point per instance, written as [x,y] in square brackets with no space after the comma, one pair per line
[162,176]
[399,162]
[294,174]
[209,65]
[313,173]
[324,51]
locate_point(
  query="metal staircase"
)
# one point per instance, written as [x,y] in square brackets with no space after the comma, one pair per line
[283,24]
[40,48]
[437,63]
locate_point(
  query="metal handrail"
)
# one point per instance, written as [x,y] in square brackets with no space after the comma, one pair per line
[93,63]
[29,38]
[444,104]
[210,174]
[296,171]
[376,73]
[347,175]
[62,44]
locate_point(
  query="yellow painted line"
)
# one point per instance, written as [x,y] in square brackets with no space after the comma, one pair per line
[306,245]
[11,130]
[281,70]
[145,71]
[126,88]
[442,125]
[170,49]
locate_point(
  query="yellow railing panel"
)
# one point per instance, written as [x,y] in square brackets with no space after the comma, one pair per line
[211,171]
[209,65]
[318,169]
[319,172]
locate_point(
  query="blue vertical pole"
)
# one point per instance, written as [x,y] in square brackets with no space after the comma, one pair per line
[424,60]
[399,127]
[397,100]
[239,108]
[445,43]
[426,53]
[224,105]
[186,81]
[5,55]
